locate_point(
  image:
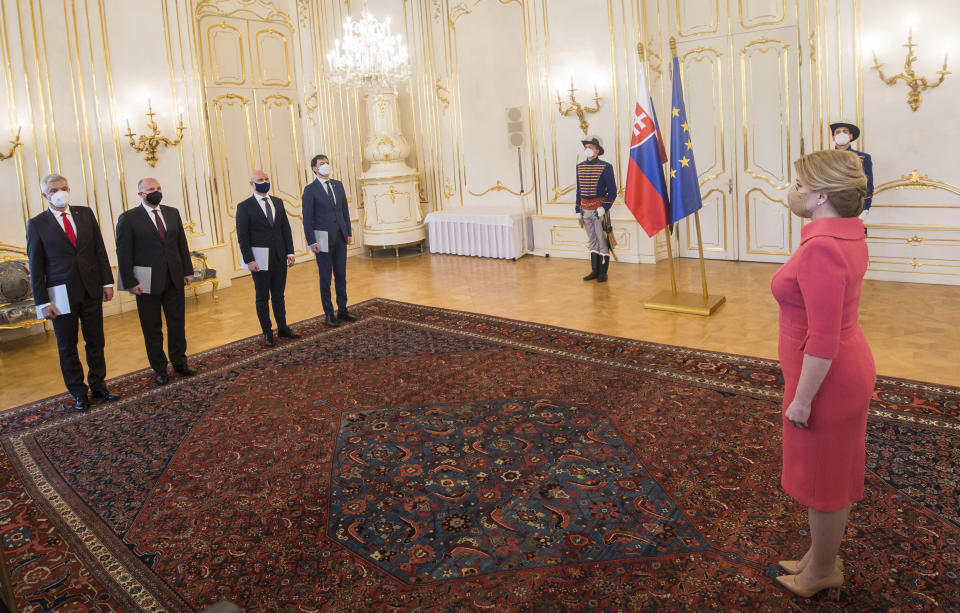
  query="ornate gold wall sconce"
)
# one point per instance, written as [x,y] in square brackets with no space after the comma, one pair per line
[151,142]
[13,146]
[577,109]
[916,84]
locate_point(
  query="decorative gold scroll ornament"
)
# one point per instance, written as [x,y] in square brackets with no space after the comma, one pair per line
[150,143]
[577,109]
[13,147]
[916,84]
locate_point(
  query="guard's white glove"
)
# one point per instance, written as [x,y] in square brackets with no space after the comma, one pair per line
[864,213]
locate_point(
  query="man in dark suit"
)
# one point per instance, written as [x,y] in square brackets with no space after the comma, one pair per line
[326,222]
[65,247]
[262,222]
[151,236]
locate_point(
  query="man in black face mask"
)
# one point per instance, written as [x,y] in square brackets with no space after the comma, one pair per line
[263,232]
[154,263]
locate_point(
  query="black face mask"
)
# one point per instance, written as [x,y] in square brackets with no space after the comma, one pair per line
[153,198]
[262,188]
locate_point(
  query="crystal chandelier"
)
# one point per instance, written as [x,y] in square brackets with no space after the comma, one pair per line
[369,56]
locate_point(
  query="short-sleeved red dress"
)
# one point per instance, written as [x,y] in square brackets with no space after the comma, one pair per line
[818,290]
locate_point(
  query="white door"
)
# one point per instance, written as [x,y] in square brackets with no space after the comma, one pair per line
[740,64]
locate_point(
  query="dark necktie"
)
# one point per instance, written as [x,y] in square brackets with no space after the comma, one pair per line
[326,186]
[68,228]
[268,209]
[160,227]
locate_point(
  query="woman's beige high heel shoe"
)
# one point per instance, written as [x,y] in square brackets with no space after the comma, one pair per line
[793,566]
[835,579]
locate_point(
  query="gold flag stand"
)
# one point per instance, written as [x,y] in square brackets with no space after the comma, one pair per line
[690,303]
[683,302]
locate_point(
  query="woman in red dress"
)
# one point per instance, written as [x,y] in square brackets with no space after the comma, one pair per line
[827,365]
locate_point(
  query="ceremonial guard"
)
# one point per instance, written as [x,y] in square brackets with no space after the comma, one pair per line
[845,133]
[596,191]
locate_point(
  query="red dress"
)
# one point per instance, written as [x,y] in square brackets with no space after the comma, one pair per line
[818,289]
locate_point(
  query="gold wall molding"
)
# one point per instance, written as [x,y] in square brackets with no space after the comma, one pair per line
[256,10]
[443,95]
[712,28]
[499,187]
[915,180]
[788,248]
[771,20]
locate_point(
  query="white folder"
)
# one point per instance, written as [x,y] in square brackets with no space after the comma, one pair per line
[142,274]
[261,256]
[58,298]
[322,240]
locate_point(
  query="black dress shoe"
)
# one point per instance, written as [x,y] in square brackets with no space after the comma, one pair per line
[344,315]
[268,339]
[104,394]
[287,333]
[186,371]
[332,321]
[162,378]
[81,402]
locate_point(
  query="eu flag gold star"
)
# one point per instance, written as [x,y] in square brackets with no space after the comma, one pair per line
[673,173]
[685,126]
[676,112]
[684,161]
[689,144]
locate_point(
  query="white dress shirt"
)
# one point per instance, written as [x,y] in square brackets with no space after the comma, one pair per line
[327,189]
[263,207]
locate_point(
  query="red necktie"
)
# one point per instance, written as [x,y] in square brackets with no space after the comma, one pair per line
[160,227]
[68,228]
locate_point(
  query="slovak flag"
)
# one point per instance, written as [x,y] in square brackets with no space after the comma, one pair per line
[646,190]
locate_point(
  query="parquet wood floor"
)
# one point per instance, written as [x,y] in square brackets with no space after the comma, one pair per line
[912,328]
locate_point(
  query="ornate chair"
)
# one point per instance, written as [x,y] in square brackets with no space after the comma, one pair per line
[202,274]
[16,297]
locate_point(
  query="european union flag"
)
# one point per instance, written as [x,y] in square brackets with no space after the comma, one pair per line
[684,183]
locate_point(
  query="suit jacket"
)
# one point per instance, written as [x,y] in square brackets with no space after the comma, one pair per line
[139,244]
[867,170]
[321,214]
[55,261]
[254,230]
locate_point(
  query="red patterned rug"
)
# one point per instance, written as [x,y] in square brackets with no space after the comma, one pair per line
[431,460]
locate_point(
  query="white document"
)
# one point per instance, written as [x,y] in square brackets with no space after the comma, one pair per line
[261,256]
[142,274]
[322,240]
[57,295]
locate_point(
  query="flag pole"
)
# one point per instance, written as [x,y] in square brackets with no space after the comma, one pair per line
[685,302]
[673,274]
[703,266]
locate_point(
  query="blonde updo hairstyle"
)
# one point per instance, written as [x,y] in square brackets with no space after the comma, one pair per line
[838,174]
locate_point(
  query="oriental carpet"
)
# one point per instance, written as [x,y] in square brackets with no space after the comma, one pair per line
[423,459]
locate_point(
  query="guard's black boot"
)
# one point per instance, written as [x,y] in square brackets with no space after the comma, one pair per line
[604,265]
[595,264]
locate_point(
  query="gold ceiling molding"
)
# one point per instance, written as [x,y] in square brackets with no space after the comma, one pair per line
[915,180]
[260,10]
